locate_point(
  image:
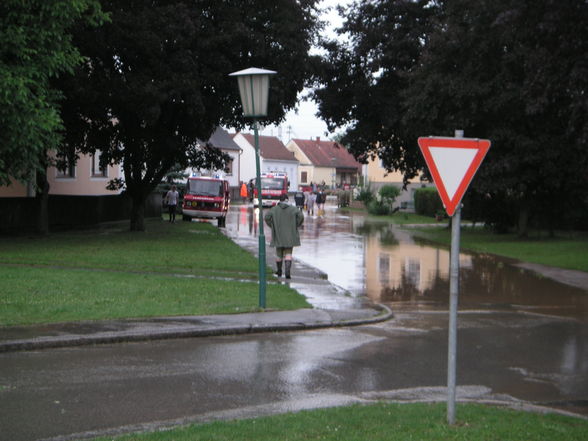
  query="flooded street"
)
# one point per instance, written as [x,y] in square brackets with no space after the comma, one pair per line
[521,334]
[522,341]
[386,264]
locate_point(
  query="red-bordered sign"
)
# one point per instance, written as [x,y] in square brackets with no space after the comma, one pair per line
[453,162]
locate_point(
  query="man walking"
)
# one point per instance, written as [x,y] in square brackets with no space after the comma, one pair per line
[171,199]
[284,220]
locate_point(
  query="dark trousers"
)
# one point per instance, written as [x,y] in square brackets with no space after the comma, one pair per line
[172,213]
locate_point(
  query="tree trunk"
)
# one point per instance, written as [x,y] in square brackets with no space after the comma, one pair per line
[42,199]
[523,221]
[137,213]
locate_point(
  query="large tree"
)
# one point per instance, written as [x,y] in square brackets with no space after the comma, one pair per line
[156,80]
[364,73]
[35,46]
[509,70]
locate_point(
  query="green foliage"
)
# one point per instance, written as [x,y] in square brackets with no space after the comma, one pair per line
[156,81]
[378,207]
[35,47]
[427,202]
[513,72]
[365,195]
[388,194]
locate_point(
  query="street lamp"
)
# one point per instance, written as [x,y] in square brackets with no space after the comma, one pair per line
[254,90]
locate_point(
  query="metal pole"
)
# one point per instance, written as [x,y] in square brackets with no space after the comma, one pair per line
[453,300]
[262,277]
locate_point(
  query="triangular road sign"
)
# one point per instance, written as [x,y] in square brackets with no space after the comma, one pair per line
[453,162]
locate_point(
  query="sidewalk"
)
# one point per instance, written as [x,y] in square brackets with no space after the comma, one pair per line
[334,308]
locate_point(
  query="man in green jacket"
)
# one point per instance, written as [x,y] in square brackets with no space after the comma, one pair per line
[284,220]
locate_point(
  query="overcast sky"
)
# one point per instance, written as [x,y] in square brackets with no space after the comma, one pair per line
[303,123]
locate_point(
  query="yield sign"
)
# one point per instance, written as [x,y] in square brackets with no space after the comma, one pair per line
[453,162]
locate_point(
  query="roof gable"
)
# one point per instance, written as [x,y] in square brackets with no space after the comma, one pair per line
[221,139]
[327,154]
[270,147]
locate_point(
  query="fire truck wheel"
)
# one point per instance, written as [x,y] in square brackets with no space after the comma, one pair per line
[222,222]
[186,218]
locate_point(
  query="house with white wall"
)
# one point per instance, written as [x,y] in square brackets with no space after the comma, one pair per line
[324,161]
[222,140]
[273,157]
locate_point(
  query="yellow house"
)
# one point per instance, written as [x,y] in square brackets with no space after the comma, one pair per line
[376,176]
[407,272]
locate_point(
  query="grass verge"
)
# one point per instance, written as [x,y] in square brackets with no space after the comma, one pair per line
[569,252]
[400,218]
[171,269]
[385,422]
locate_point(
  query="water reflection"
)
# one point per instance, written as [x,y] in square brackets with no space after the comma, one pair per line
[388,265]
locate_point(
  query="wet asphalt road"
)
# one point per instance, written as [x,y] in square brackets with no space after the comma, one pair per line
[504,354]
[509,356]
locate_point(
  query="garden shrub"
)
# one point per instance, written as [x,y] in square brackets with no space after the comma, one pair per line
[427,202]
[378,208]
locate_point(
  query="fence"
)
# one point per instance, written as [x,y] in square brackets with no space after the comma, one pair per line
[65,212]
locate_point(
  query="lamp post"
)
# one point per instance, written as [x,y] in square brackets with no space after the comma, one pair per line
[254,91]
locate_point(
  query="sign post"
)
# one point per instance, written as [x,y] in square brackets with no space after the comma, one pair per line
[453,162]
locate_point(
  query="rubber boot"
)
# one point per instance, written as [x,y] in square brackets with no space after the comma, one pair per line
[279,271]
[288,266]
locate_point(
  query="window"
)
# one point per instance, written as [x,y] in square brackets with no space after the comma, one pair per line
[384,269]
[69,171]
[97,171]
[229,167]
[412,271]
[304,177]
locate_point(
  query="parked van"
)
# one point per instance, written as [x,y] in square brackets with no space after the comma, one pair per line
[273,185]
[206,198]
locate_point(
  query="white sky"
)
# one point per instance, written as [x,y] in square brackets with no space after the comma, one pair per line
[302,122]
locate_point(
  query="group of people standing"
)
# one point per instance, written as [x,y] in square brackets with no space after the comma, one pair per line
[308,199]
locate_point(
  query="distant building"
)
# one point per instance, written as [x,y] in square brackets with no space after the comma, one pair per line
[376,176]
[273,157]
[325,161]
[83,178]
[222,140]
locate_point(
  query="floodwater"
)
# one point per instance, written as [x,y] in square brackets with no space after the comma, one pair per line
[521,337]
[386,264]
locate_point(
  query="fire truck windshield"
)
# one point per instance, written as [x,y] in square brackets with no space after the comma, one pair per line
[204,187]
[272,183]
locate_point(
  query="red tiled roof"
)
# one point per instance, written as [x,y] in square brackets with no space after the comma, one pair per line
[270,147]
[327,154]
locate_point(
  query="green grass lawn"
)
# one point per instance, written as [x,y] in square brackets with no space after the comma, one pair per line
[568,251]
[385,422]
[171,269]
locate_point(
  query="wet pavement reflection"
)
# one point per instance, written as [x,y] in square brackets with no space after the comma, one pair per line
[521,337]
[386,264]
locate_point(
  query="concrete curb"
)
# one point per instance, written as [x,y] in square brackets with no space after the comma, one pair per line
[189,331]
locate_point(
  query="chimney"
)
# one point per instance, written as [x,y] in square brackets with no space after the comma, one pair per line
[318,138]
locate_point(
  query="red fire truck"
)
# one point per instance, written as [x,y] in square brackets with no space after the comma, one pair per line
[206,198]
[273,185]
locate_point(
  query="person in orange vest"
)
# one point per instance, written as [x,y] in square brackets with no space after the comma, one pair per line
[244,193]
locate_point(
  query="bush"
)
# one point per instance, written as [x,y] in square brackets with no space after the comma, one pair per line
[427,202]
[365,195]
[378,208]
[388,194]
